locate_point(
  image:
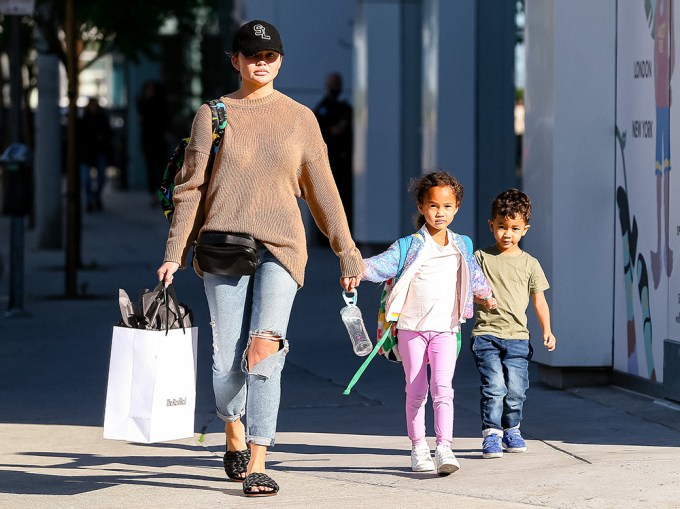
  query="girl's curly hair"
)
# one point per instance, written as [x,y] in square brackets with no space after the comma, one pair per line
[420,186]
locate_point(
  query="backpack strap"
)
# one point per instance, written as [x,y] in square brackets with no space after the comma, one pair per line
[218,111]
[468,243]
[404,246]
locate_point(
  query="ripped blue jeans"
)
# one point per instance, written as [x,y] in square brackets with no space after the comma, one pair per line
[242,307]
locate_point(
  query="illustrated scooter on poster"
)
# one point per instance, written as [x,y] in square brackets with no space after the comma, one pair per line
[632,260]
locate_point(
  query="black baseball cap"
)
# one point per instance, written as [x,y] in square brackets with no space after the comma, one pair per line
[256,36]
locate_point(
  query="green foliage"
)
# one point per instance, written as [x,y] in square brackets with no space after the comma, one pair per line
[131,27]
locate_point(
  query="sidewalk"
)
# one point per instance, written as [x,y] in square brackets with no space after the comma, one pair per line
[598,447]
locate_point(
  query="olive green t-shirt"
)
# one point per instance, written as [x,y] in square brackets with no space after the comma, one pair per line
[513,280]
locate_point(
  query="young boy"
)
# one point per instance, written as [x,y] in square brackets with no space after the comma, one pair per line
[500,338]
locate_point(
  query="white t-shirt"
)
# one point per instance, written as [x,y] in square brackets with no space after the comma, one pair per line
[431,294]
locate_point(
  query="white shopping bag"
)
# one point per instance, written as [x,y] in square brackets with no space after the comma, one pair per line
[151,393]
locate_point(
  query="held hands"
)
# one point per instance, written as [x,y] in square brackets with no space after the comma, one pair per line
[490,303]
[549,341]
[350,283]
[165,272]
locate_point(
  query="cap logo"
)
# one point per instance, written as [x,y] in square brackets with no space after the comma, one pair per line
[259,31]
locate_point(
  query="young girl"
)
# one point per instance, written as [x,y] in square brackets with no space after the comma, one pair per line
[432,295]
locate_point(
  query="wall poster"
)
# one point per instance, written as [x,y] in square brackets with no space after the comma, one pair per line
[647,294]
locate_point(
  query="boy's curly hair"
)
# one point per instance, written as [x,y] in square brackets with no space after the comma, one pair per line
[420,186]
[511,203]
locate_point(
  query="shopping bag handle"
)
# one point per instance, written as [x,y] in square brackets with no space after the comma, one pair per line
[170,291]
[167,293]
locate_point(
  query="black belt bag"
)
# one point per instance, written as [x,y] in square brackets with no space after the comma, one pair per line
[226,254]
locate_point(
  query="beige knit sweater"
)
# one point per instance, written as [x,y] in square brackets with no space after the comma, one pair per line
[272,152]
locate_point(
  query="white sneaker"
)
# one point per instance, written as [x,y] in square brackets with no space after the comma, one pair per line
[421,459]
[445,461]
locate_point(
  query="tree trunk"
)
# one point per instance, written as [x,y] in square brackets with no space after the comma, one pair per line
[72,171]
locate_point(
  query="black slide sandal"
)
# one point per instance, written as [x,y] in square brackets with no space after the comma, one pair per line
[236,463]
[259,480]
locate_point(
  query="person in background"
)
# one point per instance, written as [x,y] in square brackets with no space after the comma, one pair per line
[335,119]
[94,150]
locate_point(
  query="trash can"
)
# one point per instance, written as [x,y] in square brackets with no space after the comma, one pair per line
[17,162]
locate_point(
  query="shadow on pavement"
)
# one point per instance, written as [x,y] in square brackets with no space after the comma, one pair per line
[54,365]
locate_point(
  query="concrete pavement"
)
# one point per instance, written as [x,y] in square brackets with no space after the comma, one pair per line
[595,447]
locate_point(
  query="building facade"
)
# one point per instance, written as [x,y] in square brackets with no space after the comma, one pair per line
[432,85]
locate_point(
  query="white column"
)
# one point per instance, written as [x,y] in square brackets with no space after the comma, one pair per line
[378,183]
[448,102]
[570,173]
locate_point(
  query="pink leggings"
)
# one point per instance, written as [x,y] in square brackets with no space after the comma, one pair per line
[440,348]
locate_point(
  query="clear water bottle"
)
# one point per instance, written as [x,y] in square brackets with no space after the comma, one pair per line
[351,317]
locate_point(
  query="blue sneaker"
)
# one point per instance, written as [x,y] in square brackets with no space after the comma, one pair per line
[491,446]
[513,441]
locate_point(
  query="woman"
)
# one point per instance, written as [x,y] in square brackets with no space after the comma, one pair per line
[271,153]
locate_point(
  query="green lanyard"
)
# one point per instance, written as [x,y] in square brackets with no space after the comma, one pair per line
[368,360]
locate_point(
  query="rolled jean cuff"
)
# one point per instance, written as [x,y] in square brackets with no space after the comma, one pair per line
[263,441]
[229,418]
[492,431]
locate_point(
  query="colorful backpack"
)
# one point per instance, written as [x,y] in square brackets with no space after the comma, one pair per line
[174,166]
[389,348]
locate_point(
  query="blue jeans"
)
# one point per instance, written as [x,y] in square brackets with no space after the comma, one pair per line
[504,370]
[93,188]
[242,307]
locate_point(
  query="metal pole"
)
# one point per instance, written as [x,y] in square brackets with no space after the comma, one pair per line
[15,79]
[16,258]
[16,268]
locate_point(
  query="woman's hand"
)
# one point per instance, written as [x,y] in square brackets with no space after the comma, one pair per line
[350,283]
[165,272]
